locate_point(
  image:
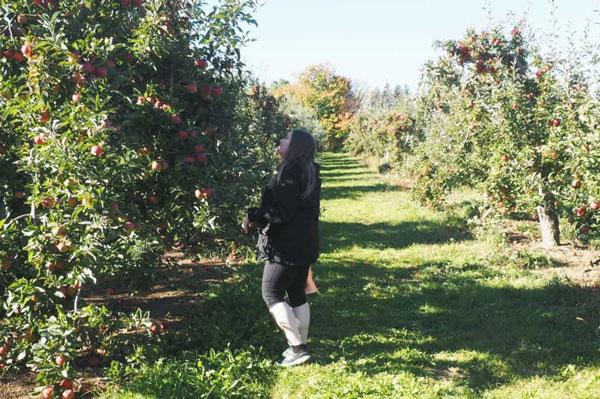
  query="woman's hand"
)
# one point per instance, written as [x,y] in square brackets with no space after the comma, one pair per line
[245,225]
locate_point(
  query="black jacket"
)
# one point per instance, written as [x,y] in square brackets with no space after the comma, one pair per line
[288,223]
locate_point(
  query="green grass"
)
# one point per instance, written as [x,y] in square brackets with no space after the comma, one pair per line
[411,305]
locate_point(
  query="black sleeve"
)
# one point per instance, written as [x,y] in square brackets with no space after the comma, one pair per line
[282,207]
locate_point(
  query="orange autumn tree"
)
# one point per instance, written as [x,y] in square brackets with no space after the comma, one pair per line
[330,96]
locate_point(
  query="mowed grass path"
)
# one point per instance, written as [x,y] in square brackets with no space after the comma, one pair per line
[412,307]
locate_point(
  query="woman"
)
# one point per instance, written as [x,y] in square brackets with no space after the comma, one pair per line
[289,239]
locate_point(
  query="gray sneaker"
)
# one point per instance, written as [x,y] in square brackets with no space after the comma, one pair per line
[287,352]
[295,358]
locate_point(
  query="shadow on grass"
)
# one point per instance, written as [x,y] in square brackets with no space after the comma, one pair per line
[334,176]
[336,236]
[353,192]
[394,320]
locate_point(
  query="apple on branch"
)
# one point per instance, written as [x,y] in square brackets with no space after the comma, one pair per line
[97,150]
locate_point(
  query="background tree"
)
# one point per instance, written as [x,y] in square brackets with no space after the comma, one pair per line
[330,97]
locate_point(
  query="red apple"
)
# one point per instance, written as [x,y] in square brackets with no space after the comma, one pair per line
[138,2]
[539,73]
[216,91]
[101,72]
[47,202]
[516,32]
[191,88]
[18,57]
[156,165]
[182,134]
[45,116]
[89,68]
[581,211]
[190,160]
[76,97]
[48,392]
[19,194]
[63,246]
[594,205]
[40,139]
[584,229]
[204,193]
[66,383]
[125,3]
[556,122]
[6,264]
[201,63]
[68,394]
[154,329]
[129,226]
[27,49]
[176,119]
[111,64]
[145,150]
[22,19]
[576,183]
[72,202]
[198,148]
[52,267]
[3,350]
[97,150]
[60,360]
[153,199]
[505,158]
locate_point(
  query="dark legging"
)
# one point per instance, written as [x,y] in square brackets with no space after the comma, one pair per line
[279,279]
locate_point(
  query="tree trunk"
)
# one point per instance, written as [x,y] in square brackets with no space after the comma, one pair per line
[549,221]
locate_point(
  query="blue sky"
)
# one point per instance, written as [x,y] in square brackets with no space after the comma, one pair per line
[379,41]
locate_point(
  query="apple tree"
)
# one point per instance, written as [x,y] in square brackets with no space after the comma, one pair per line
[125,128]
[515,122]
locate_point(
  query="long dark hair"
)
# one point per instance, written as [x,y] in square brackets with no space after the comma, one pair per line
[301,150]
